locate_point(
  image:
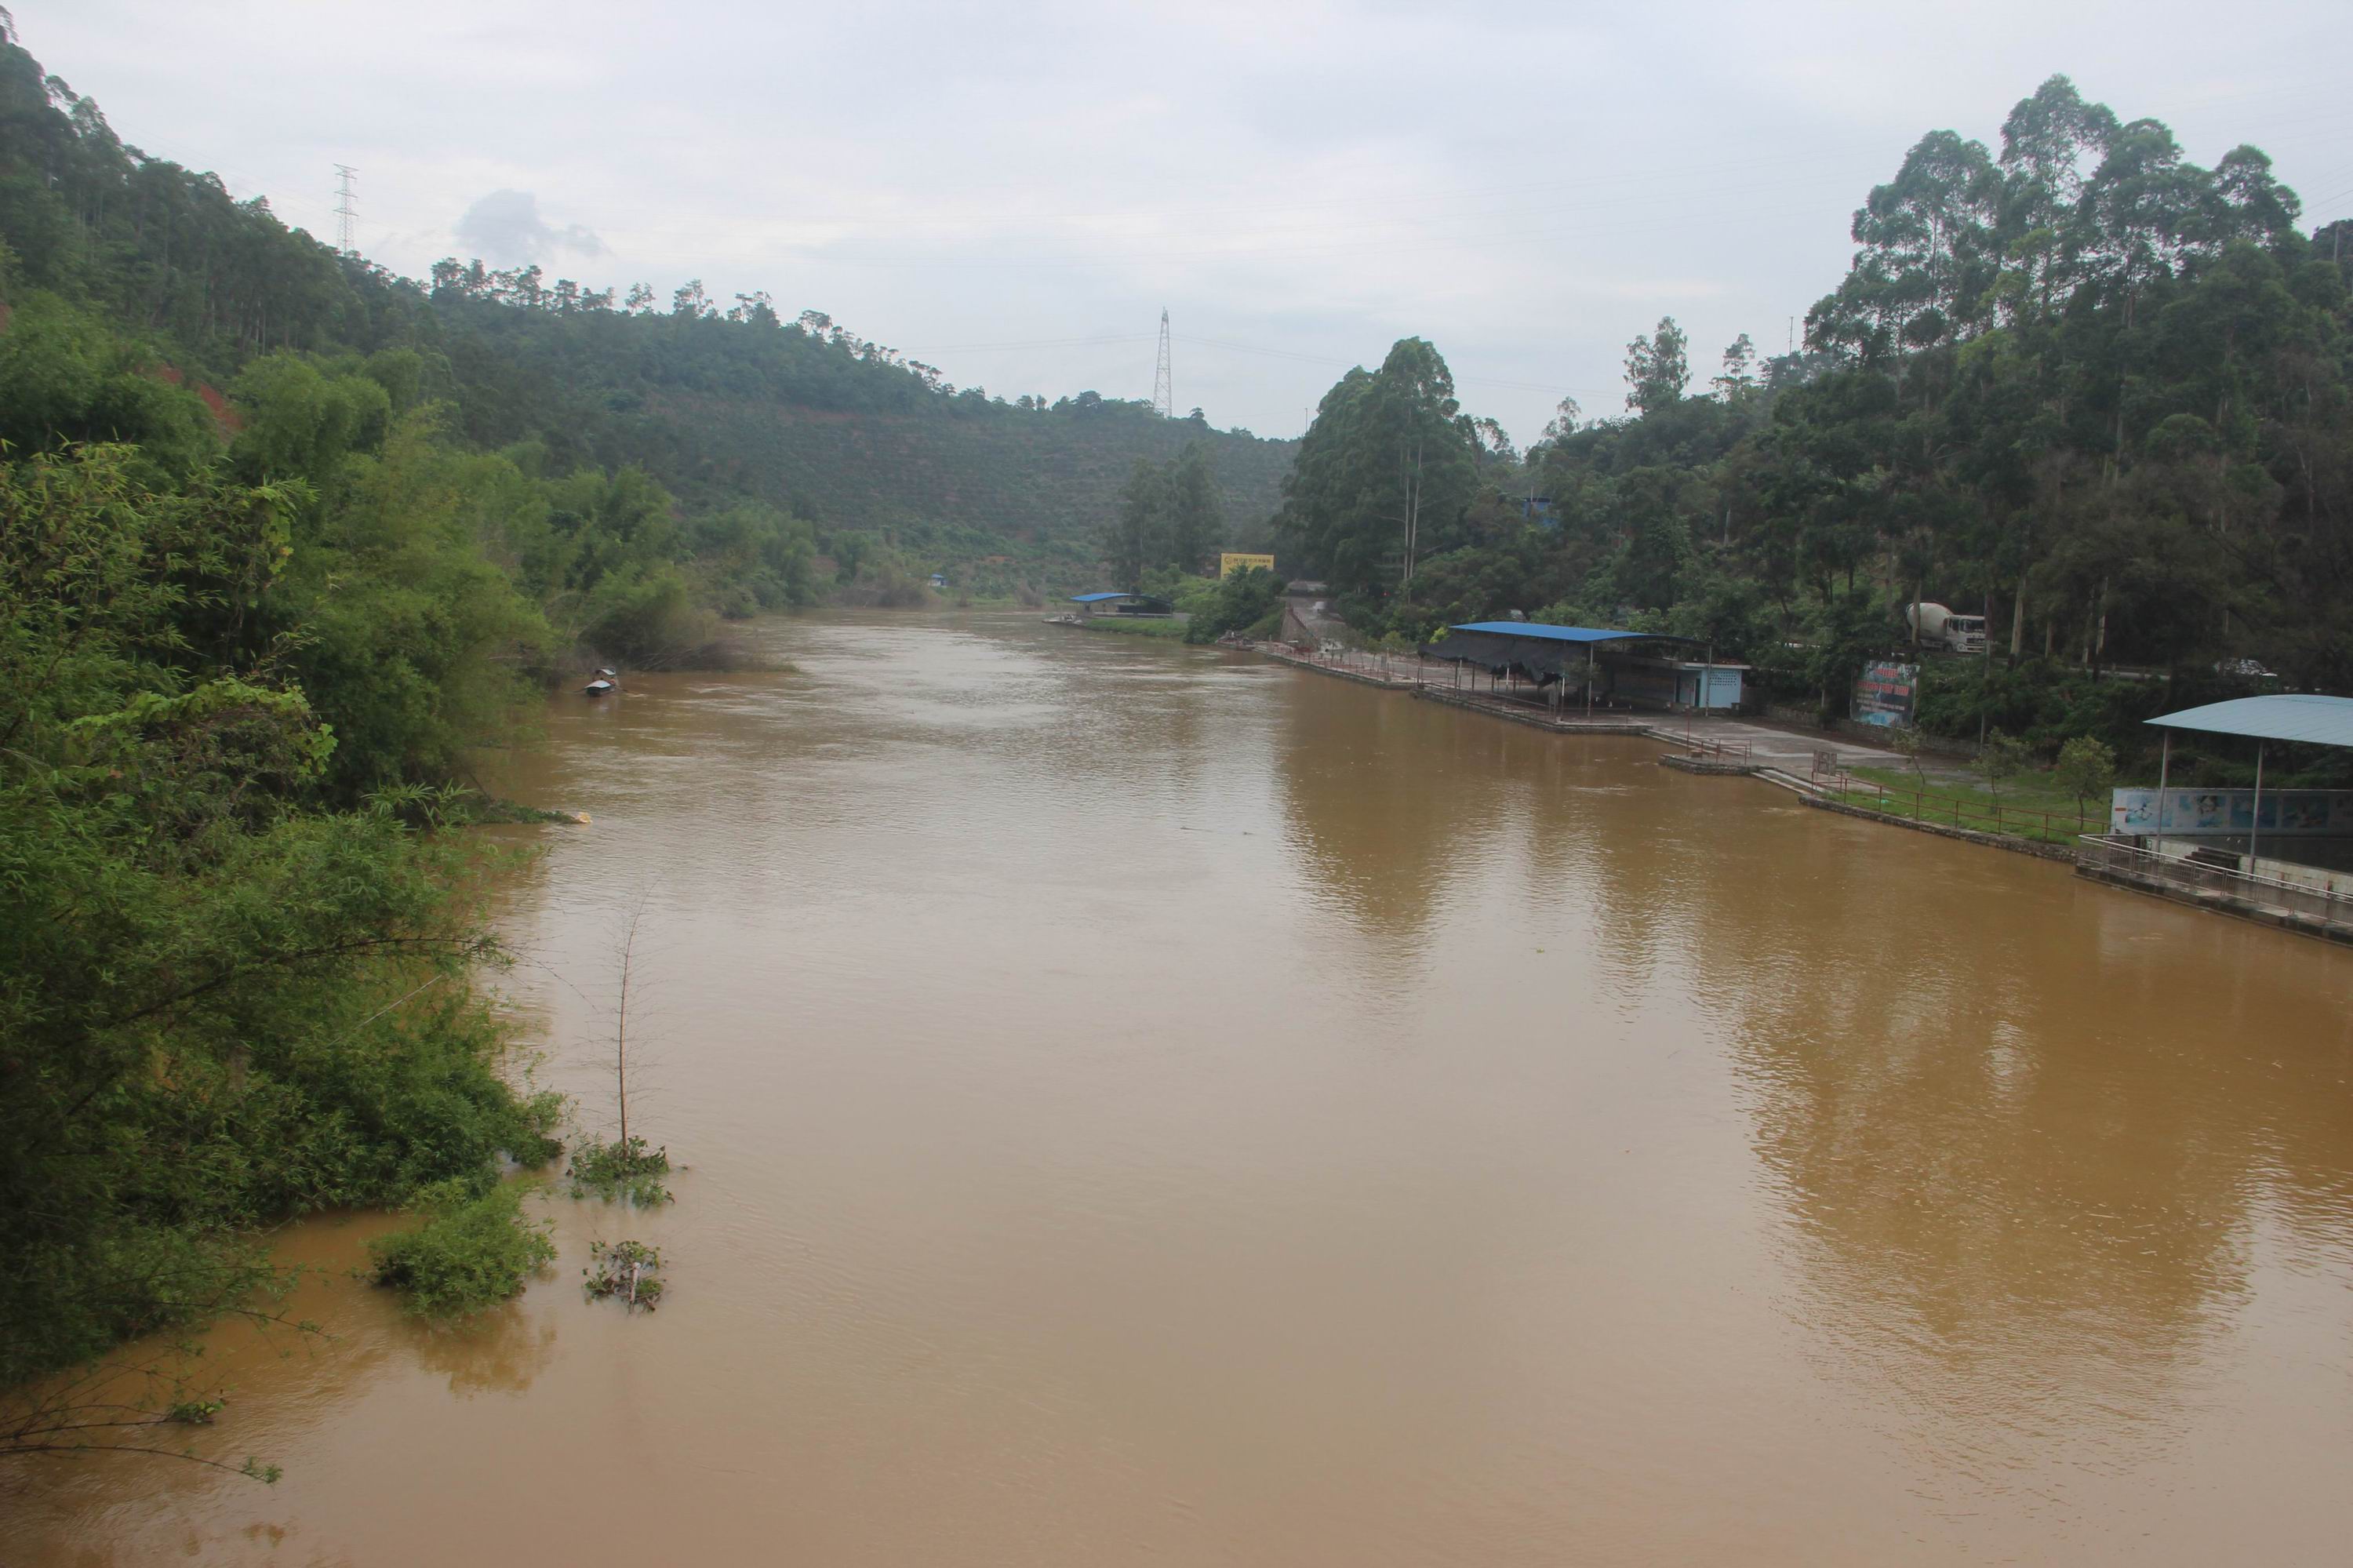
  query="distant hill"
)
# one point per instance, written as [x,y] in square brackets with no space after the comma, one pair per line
[719,406]
[839,428]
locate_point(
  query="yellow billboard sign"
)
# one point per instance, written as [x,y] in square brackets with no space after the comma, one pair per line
[1229,563]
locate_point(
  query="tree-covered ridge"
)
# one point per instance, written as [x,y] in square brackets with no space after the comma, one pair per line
[2080,383]
[721,403]
[151,245]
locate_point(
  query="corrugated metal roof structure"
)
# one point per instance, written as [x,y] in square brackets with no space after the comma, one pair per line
[1099,598]
[2302,716]
[1531,645]
[1562,633]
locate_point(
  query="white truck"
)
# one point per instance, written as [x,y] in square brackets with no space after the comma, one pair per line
[1936,627]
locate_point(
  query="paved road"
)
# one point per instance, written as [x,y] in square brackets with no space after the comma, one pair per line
[1792,750]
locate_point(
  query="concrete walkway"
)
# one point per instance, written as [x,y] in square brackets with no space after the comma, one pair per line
[1790,751]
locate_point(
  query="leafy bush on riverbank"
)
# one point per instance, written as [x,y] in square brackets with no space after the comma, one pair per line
[472,1251]
[1249,601]
[228,992]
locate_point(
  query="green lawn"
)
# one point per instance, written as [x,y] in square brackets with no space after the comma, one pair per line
[2028,807]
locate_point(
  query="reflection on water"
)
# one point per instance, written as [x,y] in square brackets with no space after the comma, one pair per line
[496,1351]
[1143,1102]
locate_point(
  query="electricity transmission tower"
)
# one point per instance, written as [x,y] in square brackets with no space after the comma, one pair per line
[1164,390]
[347,212]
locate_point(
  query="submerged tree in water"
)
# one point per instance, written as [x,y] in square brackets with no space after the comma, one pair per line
[624,1168]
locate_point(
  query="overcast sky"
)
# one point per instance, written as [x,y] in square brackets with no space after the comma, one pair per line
[1013,192]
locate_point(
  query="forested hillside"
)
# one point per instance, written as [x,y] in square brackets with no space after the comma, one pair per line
[719,403]
[2097,392]
[723,405]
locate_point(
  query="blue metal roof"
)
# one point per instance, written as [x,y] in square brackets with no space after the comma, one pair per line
[1099,598]
[2290,716]
[1560,633]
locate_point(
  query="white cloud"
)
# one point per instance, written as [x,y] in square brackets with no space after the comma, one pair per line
[504,227]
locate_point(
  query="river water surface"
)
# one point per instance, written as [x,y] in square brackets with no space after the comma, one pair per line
[1152,1105]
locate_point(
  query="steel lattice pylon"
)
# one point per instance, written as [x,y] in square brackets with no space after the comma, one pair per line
[1163,389]
[347,215]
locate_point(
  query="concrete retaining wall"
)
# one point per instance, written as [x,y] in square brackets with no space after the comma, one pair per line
[2218,903]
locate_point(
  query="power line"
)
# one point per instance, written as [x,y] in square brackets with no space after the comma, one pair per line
[1028,343]
[347,215]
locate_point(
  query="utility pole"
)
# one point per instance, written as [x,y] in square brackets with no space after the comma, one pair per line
[347,214]
[1164,387]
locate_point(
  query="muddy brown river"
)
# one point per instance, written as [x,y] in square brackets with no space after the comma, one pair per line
[1149,1104]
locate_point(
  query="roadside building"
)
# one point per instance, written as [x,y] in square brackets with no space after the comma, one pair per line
[1122,604]
[1593,666]
[2282,856]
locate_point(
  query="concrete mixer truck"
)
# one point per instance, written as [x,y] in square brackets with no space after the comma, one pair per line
[1936,627]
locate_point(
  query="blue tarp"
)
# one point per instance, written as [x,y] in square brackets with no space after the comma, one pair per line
[2302,716]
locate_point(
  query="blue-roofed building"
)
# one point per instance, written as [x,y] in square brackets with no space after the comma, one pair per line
[1113,603]
[1594,666]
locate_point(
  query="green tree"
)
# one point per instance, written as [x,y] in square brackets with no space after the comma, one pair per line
[2001,758]
[413,644]
[1658,368]
[1905,740]
[1197,523]
[2087,769]
[1136,538]
[1384,476]
[1243,600]
[1843,634]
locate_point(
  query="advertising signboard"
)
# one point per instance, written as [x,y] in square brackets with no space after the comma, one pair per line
[2287,813]
[1886,693]
[1231,562]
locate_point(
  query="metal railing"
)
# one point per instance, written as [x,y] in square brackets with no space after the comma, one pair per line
[1389,669]
[2123,857]
[1949,811]
[1710,750]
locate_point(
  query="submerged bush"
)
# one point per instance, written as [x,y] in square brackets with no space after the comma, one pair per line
[473,1250]
[618,1170]
[629,1269]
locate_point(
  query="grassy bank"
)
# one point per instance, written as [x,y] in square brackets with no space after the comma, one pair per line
[1171,627]
[2029,807]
